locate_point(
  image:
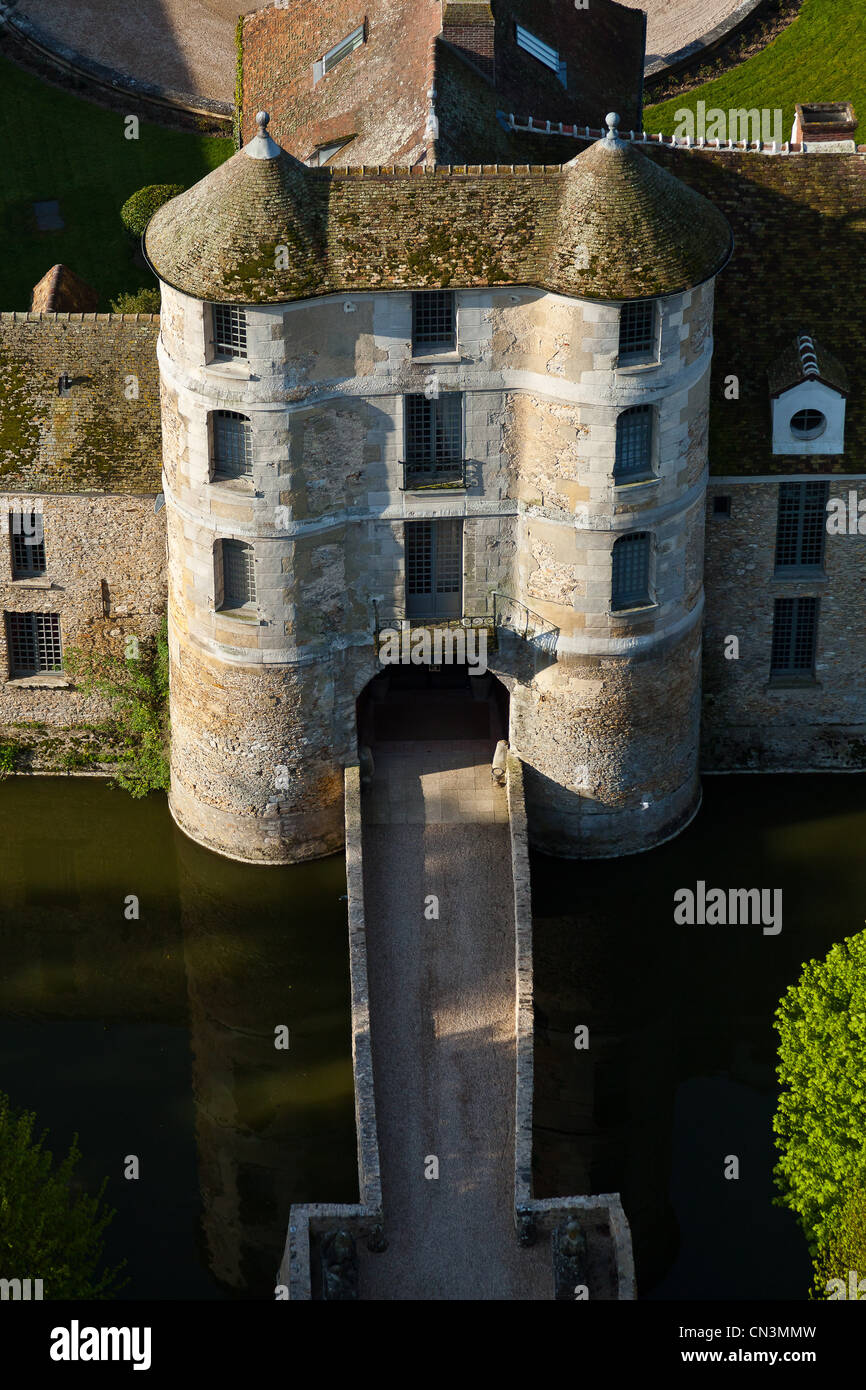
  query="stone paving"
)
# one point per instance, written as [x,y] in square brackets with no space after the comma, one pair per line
[442,1027]
[189,45]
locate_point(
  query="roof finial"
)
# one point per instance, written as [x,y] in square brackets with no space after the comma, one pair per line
[262,118]
[612,123]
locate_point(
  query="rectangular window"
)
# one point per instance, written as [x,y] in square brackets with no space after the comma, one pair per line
[239,575]
[801,525]
[434,569]
[34,643]
[434,438]
[637,333]
[232,444]
[229,331]
[634,440]
[630,580]
[342,50]
[28,544]
[434,322]
[540,50]
[795,633]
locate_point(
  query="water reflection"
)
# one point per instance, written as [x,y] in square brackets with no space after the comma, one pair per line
[156,1036]
[681,1067]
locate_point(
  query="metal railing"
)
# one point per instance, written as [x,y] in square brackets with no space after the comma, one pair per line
[433,473]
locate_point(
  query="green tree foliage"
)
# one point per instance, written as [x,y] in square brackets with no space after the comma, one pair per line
[845,1245]
[820,1123]
[144,301]
[47,1230]
[139,209]
[137,686]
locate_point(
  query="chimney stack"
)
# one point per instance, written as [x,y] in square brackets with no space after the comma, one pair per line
[470,27]
[824,122]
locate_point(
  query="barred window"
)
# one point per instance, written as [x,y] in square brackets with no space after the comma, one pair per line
[28,544]
[232,444]
[434,435]
[795,633]
[801,525]
[637,332]
[631,561]
[34,643]
[634,440]
[434,322]
[229,330]
[239,574]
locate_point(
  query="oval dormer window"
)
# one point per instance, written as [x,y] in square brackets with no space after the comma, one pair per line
[808,424]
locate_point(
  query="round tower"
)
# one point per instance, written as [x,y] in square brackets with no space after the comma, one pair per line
[609,731]
[256,760]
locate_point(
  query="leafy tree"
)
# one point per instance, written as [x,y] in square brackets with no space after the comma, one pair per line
[47,1231]
[145,301]
[820,1123]
[139,209]
[137,686]
[845,1247]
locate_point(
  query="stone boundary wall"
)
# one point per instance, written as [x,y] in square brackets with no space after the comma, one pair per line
[550,1212]
[360,1219]
[28,43]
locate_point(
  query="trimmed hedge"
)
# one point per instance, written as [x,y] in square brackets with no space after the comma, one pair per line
[139,209]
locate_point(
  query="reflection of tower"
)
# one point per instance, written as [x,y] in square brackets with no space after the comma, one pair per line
[272,1126]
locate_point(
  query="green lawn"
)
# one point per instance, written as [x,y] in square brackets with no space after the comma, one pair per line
[820,57]
[56,146]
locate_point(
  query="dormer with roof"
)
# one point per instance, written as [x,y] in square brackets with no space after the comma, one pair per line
[808,391]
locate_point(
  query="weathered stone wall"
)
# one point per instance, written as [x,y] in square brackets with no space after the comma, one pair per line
[105,578]
[749,723]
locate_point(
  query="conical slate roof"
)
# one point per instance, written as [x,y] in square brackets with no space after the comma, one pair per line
[630,230]
[249,224]
[265,229]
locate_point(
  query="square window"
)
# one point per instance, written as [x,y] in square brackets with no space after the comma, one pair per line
[34,643]
[229,330]
[434,322]
[722,504]
[28,544]
[637,333]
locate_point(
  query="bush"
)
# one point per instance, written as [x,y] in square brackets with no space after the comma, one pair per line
[845,1246]
[141,302]
[139,209]
[820,1122]
[137,686]
[47,1231]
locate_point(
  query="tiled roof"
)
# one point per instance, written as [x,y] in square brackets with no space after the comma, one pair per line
[799,264]
[610,225]
[62,291]
[806,360]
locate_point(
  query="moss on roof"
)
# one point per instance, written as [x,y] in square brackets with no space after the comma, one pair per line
[610,225]
[104,435]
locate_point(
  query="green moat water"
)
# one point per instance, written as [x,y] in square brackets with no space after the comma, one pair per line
[155,1037]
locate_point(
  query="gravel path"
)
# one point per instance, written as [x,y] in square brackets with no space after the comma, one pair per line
[442,1028]
[189,45]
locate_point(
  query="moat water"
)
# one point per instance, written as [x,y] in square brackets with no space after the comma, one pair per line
[155,1037]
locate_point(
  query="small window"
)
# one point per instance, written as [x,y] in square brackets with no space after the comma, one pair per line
[28,544]
[808,424]
[801,525]
[634,444]
[434,322]
[722,504]
[239,575]
[232,445]
[541,51]
[342,50]
[434,437]
[325,153]
[637,333]
[795,632]
[630,583]
[34,643]
[229,331]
